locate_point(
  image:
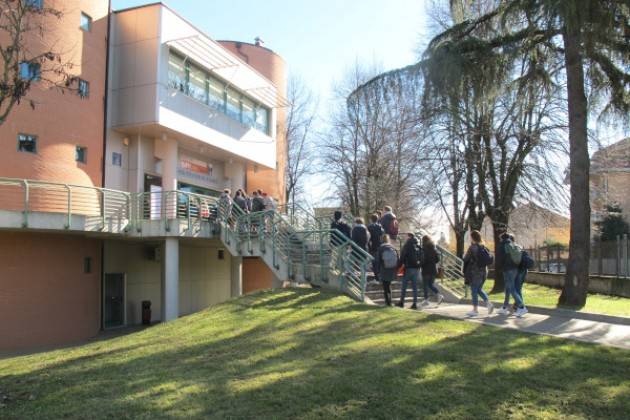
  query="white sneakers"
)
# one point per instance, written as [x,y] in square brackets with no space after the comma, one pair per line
[472,314]
[520,312]
[490,308]
[425,302]
[503,311]
[440,299]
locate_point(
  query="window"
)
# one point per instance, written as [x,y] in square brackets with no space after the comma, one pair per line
[84,88]
[116,159]
[30,71]
[27,143]
[176,72]
[262,119]
[233,105]
[197,83]
[86,22]
[249,112]
[80,154]
[216,94]
[35,4]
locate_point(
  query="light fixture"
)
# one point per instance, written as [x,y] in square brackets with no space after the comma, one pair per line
[126,141]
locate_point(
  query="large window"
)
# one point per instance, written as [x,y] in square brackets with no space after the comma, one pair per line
[35,4]
[196,82]
[27,143]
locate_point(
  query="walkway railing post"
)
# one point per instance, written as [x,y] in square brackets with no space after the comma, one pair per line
[26,203]
[104,210]
[69,204]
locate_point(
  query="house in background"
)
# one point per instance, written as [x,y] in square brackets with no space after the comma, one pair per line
[610,179]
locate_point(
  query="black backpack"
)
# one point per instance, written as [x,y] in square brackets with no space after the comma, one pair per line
[415,257]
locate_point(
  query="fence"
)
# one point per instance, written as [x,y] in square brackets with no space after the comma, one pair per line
[608,258]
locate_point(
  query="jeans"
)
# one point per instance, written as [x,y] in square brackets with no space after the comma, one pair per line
[510,279]
[477,291]
[410,274]
[427,284]
[387,291]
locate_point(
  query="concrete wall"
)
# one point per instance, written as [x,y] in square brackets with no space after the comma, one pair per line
[62,121]
[597,284]
[204,279]
[46,298]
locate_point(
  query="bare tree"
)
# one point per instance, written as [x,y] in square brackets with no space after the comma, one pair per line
[26,55]
[299,133]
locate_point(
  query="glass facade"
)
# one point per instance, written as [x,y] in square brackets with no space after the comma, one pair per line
[197,83]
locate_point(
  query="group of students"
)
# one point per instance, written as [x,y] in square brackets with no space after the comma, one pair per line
[415,259]
[510,259]
[258,201]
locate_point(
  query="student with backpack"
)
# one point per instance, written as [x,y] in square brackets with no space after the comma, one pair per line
[386,267]
[389,223]
[411,258]
[476,262]
[509,256]
[527,263]
[376,233]
[430,260]
[336,238]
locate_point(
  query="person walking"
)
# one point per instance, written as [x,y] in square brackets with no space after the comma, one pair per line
[376,233]
[225,203]
[430,260]
[240,200]
[360,234]
[257,202]
[509,256]
[527,263]
[389,222]
[342,227]
[476,271]
[386,267]
[268,201]
[411,258]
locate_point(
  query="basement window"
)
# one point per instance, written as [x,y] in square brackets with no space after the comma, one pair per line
[80,154]
[27,143]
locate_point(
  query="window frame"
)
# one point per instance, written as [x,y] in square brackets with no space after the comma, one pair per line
[118,156]
[89,22]
[80,149]
[34,140]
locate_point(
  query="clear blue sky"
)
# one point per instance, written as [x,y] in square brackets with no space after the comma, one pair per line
[318,39]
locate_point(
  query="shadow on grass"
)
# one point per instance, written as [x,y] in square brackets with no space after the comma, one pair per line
[310,354]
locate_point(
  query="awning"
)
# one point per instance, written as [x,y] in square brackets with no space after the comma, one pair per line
[230,68]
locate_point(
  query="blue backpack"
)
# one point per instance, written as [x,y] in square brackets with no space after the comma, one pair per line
[527,261]
[484,257]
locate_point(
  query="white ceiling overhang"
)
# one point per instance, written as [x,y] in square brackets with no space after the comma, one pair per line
[230,68]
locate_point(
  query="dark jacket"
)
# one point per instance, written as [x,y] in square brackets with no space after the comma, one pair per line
[376,233]
[342,227]
[406,254]
[241,202]
[258,204]
[430,260]
[386,221]
[474,274]
[360,236]
[502,260]
[382,273]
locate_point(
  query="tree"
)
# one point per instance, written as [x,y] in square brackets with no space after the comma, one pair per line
[298,132]
[578,32]
[25,53]
[613,224]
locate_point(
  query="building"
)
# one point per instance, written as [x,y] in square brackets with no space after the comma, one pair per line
[532,225]
[114,213]
[610,179]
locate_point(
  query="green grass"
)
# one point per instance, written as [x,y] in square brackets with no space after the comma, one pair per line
[300,353]
[547,297]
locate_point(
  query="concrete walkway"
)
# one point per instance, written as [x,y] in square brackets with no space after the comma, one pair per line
[553,323]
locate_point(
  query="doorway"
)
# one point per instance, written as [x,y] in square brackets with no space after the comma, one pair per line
[114,300]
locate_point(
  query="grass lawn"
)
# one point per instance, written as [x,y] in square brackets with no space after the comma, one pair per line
[537,295]
[306,354]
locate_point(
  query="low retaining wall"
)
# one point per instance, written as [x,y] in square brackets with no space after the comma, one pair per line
[606,285]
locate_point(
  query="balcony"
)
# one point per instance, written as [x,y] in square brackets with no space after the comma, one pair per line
[48,206]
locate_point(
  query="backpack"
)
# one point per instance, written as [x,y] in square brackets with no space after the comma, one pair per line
[360,234]
[415,256]
[393,227]
[514,253]
[527,261]
[390,259]
[484,257]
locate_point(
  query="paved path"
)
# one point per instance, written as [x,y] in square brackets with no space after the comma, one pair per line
[557,324]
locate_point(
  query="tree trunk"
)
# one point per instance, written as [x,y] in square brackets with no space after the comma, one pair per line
[576,279]
[459,243]
[498,227]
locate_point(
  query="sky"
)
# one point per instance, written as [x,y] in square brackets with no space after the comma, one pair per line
[318,39]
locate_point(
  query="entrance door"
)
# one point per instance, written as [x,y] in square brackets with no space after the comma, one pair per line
[152,206]
[114,301]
